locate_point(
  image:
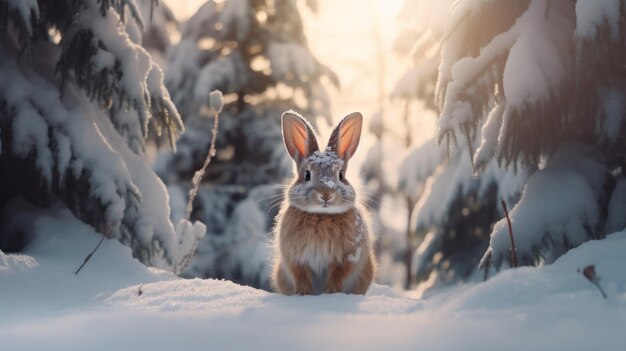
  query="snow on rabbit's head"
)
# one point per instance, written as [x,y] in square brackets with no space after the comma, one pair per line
[320,185]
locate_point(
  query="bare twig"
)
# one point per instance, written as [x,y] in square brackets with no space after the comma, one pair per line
[197,177]
[216,104]
[508,220]
[589,272]
[105,234]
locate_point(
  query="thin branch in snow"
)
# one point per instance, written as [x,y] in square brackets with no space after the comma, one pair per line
[508,221]
[216,106]
[104,235]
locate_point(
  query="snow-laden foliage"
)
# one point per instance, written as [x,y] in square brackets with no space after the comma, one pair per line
[550,217]
[454,210]
[157,32]
[530,78]
[616,220]
[99,57]
[527,68]
[453,206]
[76,98]
[547,74]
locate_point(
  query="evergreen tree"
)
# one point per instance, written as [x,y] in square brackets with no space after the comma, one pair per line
[255,52]
[453,210]
[540,84]
[76,99]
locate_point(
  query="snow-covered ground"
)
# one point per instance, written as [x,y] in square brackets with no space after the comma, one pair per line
[44,306]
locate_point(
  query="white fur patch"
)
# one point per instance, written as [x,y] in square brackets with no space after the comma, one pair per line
[355,256]
[316,257]
[328,209]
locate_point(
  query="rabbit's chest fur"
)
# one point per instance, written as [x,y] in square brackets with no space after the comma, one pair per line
[317,240]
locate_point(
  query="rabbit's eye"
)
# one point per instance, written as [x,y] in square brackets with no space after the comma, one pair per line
[340,175]
[307,175]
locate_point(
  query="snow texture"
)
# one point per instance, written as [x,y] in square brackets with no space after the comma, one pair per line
[45,306]
[360,233]
[24,12]
[426,175]
[551,217]
[591,14]
[325,160]
[418,166]
[490,134]
[616,220]
[613,109]
[216,101]
[540,60]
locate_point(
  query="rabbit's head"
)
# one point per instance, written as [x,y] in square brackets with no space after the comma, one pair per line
[320,185]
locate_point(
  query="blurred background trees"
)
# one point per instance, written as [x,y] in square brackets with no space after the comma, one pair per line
[256,53]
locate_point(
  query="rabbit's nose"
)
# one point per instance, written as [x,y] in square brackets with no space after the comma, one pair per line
[325,197]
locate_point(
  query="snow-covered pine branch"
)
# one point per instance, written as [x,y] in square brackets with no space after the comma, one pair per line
[551,217]
[73,112]
[528,67]
[454,205]
[550,76]
[115,71]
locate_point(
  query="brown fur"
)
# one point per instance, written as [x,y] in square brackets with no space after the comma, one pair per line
[332,238]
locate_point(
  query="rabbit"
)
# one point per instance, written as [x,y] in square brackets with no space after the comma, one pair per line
[322,236]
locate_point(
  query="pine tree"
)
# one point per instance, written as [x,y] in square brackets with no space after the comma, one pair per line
[76,99]
[541,84]
[454,210]
[255,52]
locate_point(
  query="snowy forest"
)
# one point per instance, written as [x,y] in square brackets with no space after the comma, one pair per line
[146,168]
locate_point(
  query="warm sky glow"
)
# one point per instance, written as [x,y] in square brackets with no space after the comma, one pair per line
[346,36]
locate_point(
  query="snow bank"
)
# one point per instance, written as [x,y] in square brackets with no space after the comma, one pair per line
[44,306]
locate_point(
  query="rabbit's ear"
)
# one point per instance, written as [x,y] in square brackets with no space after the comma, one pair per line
[345,137]
[298,136]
